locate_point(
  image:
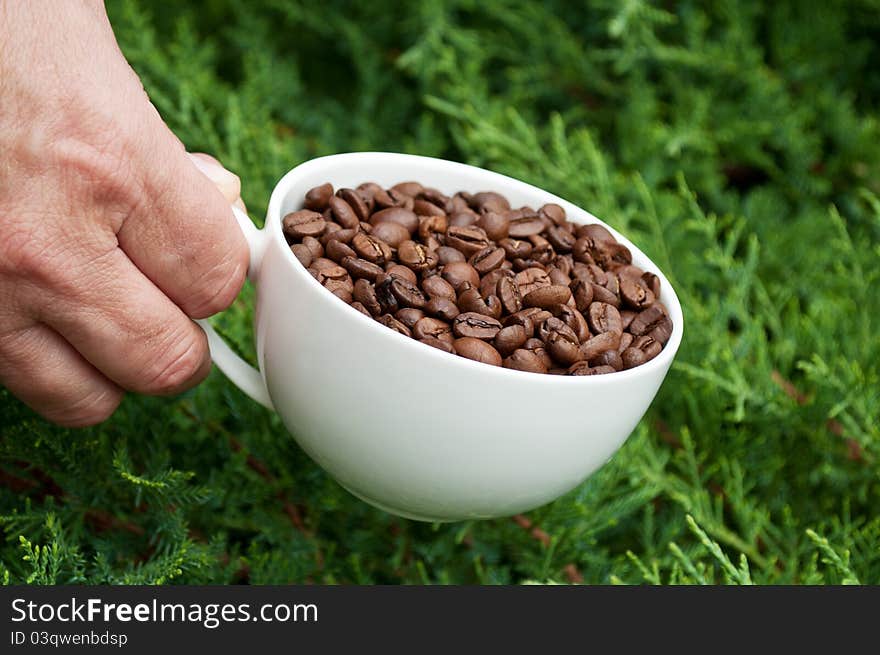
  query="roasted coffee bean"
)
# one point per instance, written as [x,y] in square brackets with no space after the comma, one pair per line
[390,322]
[344,212]
[385,295]
[470,300]
[463,219]
[302,253]
[563,347]
[635,294]
[439,344]
[424,207]
[409,188]
[417,256]
[449,255]
[442,308]
[358,306]
[552,324]
[629,270]
[407,293]
[314,247]
[595,231]
[652,282]
[509,294]
[573,319]
[599,344]
[487,259]
[489,282]
[509,339]
[399,270]
[583,368]
[434,196]
[368,191]
[317,197]
[602,294]
[365,293]
[582,293]
[405,217]
[495,224]
[370,248]
[391,233]
[433,327]
[662,331]
[525,360]
[525,226]
[626,340]
[547,296]
[409,316]
[647,320]
[479,326]
[361,268]
[526,318]
[557,276]
[436,287]
[516,248]
[303,223]
[469,240]
[431,226]
[530,279]
[477,350]
[626,317]
[643,349]
[337,250]
[608,358]
[335,233]
[561,239]
[489,201]
[537,346]
[604,318]
[383,199]
[457,273]
[542,250]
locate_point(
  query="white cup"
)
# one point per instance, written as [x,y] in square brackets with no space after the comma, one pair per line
[406,427]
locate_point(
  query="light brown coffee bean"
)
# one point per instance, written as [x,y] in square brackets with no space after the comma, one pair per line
[546,296]
[317,197]
[525,360]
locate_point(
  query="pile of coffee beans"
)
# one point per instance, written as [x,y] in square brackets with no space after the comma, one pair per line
[520,288]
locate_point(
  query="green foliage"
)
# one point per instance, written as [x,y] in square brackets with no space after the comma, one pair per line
[737,142]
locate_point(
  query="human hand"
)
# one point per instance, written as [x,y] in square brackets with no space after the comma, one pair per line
[112,237]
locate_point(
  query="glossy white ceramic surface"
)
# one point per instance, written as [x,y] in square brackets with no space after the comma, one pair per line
[406,427]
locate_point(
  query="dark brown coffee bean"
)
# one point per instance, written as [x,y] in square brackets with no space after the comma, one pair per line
[363,310]
[449,255]
[583,368]
[391,233]
[647,320]
[302,253]
[433,195]
[399,215]
[457,273]
[317,197]
[479,326]
[629,271]
[604,318]
[385,295]
[602,294]
[552,324]
[634,294]
[407,293]
[525,226]
[343,213]
[368,191]
[335,233]
[582,293]
[557,276]
[409,188]
[561,240]
[433,327]
[337,250]
[526,318]
[417,256]
[509,339]
[382,199]
[469,240]
[489,201]
[599,344]
[626,340]
[398,270]
[442,308]
[370,248]
[595,231]
[573,319]
[495,224]
[477,350]
[563,347]
[303,223]
[652,282]
[314,247]
[432,225]
[626,317]
[361,268]
[436,287]
[531,279]
[542,250]
[390,322]
[357,203]
[487,259]
[509,294]
[409,316]
[547,296]
[463,219]
[489,282]
[608,358]
[643,349]
[424,207]
[525,360]
[365,293]
[662,331]
[439,344]
[516,248]
[537,346]
[553,212]
[470,300]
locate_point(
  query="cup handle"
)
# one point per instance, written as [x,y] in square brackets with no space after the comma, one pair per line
[240,373]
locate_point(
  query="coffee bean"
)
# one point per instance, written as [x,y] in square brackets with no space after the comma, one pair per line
[431,226]
[489,282]
[489,201]
[405,217]
[537,346]
[525,360]
[647,320]
[409,188]
[409,316]
[487,259]
[530,279]
[526,318]
[652,282]
[457,273]
[368,191]
[361,268]
[602,294]
[557,276]
[595,231]
[407,293]
[469,240]
[626,317]
[634,294]
[630,271]
[547,296]
[604,318]
[390,322]
[626,340]
[317,197]
[662,331]
[303,223]
[495,224]
[365,293]
[573,319]
[442,308]
[464,219]
[436,287]
[439,344]
[479,326]
[314,247]
[599,344]
[417,256]
[516,248]
[561,240]
[509,339]
[370,248]
[335,233]
[405,272]
[433,327]
[424,207]
[470,300]
[337,250]
[449,255]
[563,347]
[434,196]
[477,350]
[344,210]
[525,226]
[302,253]
[608,358]
[643,349]
[509,294]
[582,293]
[385,295]
[391,233]
[583,368]
[358,306]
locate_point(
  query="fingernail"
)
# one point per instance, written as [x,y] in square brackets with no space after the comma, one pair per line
[212,168]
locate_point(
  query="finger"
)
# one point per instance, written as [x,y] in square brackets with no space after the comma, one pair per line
[50,376]
[226,182]
[125,326]
[183,235]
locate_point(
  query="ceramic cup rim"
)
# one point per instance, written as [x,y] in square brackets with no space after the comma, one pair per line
[437,357]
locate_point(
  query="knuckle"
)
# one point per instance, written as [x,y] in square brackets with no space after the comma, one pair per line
[90,409]
[181,367]
[215,289]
